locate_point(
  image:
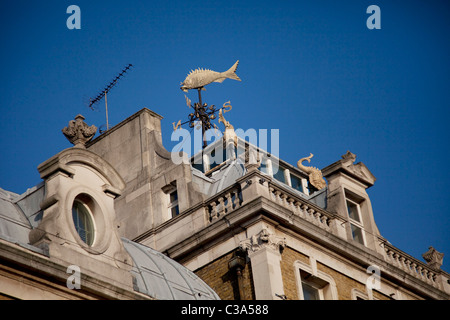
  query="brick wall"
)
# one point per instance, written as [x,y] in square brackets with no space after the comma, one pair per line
[288,257]
[344,283]
[224,281]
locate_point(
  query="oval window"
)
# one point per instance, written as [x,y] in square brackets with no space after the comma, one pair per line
[82,219]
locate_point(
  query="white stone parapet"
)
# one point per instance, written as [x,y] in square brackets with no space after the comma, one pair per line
[223,203]
[301,208]
[411,265]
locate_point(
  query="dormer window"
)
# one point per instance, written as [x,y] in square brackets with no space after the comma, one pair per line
[356,225]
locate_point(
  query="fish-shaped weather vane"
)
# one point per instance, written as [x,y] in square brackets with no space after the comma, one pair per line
[199,78]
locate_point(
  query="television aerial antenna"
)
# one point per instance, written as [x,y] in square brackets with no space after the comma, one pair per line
[104,93]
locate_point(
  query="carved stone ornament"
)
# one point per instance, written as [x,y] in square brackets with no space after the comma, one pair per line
[349,156]
[222,119]
[433,258]
[315,175]
[263,239]
[229,134]
[78,132]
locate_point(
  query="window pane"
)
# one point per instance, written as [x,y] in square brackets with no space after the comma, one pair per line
[263,167]
[83,222]
[357,233]
[309,292]
[279,175]
[216,158]
[352,209]
[175,211]
[296,183]
[198,166]
[212,160]
[173,196]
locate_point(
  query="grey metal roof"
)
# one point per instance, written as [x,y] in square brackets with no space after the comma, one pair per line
[226,176]
[14,225]
[29,203]
[163,278]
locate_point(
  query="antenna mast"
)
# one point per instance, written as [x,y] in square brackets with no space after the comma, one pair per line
[105,91]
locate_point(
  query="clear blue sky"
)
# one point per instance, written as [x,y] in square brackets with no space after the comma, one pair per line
[309,68]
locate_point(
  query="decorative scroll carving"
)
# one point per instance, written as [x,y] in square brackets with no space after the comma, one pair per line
[433,258]
[222,119]
[78,132]
[315,175]
[263,239]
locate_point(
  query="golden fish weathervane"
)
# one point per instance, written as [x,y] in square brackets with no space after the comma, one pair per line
[199,78]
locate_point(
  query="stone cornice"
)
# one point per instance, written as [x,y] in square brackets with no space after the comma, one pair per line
[262,209]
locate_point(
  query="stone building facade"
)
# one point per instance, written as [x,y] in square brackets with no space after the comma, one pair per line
[250,226]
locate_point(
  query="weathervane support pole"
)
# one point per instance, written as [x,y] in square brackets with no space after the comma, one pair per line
[201,116]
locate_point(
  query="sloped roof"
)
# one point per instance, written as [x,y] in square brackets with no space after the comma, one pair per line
[160,277]
[14,225]
[226,176]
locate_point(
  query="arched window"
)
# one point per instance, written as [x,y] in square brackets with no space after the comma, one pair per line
[83,221]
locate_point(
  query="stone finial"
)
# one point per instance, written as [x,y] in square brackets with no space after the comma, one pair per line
[349,157]
[433,258]
[78,132]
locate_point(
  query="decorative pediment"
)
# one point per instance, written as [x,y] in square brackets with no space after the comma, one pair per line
[347,165]
[362,171]
[66,159]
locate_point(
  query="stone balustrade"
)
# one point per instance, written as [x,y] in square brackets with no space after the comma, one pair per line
[410,265]
[228,200]
[300,208]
